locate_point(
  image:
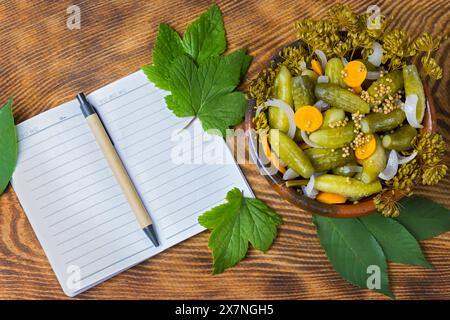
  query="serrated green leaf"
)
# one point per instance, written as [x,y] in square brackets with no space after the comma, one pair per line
[8,145]
[236,223]
[207,91]
[397,243]
[351,249]
[168,47]
[205,37]
[423,217]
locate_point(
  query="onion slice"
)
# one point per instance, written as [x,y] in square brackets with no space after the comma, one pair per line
[350,169]
[322,57]
[323,79]
[391,168]
[373,75]
[410,109]
[309,142]
[344,61]
[259,109]
[309,189]
[403,160]
[290,174]
[322,105]
[375,57]
[289,113]
[303,65]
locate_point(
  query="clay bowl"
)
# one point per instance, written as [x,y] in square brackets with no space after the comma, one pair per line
[362,208]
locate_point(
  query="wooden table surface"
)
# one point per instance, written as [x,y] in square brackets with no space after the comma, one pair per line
[43,64]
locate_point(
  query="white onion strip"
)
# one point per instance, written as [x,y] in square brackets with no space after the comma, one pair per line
[323,79]
[307,141]
[289,113]
[344,61]
[303,65]
[350,169]
[410,109]
[322,105]
[322,57]
[375,57]
[391,168]
[373,75]
[403,160]
[290,174]
[259,109]
[309,189]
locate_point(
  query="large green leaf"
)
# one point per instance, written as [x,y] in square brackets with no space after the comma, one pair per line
[424,218]
[352,251]
[397,243]
[8,145]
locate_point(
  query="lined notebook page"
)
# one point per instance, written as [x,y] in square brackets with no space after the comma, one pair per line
[73,202]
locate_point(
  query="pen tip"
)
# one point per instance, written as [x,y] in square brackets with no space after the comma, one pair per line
[151,234]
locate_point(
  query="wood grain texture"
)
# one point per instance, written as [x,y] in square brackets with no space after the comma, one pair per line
[43,64]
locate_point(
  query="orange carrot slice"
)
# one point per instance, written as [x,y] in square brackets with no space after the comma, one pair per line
[308,118]
[317,67]
[367,149]
[355,73]
[330,198]
[265,145]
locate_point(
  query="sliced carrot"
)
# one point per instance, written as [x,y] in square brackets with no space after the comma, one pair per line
[308,118]
[276,162]
[317,67]
[331,198]
[367,149]
[265,145]
[355,73]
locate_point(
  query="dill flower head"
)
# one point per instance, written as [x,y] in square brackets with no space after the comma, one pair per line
[386,204]
[344,17]
[431,67]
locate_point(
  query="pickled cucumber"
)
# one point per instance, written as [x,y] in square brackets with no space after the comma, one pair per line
[401,139]
[333,71]
[334,137]
[327,159]
[376,122]
[413,85]
[387,85]
[373,165]
[345,186]
[332,115]
[290,153]
[340,98]
[303,91]
[283,91]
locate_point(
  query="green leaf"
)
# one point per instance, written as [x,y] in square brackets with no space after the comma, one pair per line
[8,145]
[351,249]
[207,91]
[205,37]
[236,223]
[397,243]
[168,47]
[424,218]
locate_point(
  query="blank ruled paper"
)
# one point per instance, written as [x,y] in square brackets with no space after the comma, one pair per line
[73,202]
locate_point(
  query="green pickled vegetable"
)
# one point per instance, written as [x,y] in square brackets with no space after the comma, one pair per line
[303,91]
[413,85]
[387,85]
[290,153]
[333,71]
[373,165]
[345,186]
[327,159]
[340,98]
[401,139]
[296,183]
[376,122]
[332,115]
[310,74]
[283,91]
[334,137]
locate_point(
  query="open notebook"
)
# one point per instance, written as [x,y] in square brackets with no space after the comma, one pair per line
[73,202]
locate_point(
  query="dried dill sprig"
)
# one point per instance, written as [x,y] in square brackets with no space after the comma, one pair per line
[427,169]
[344,18]
[386,203]
[431,67]
[425,42]
[292,58]
[261,123]
[260,88]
